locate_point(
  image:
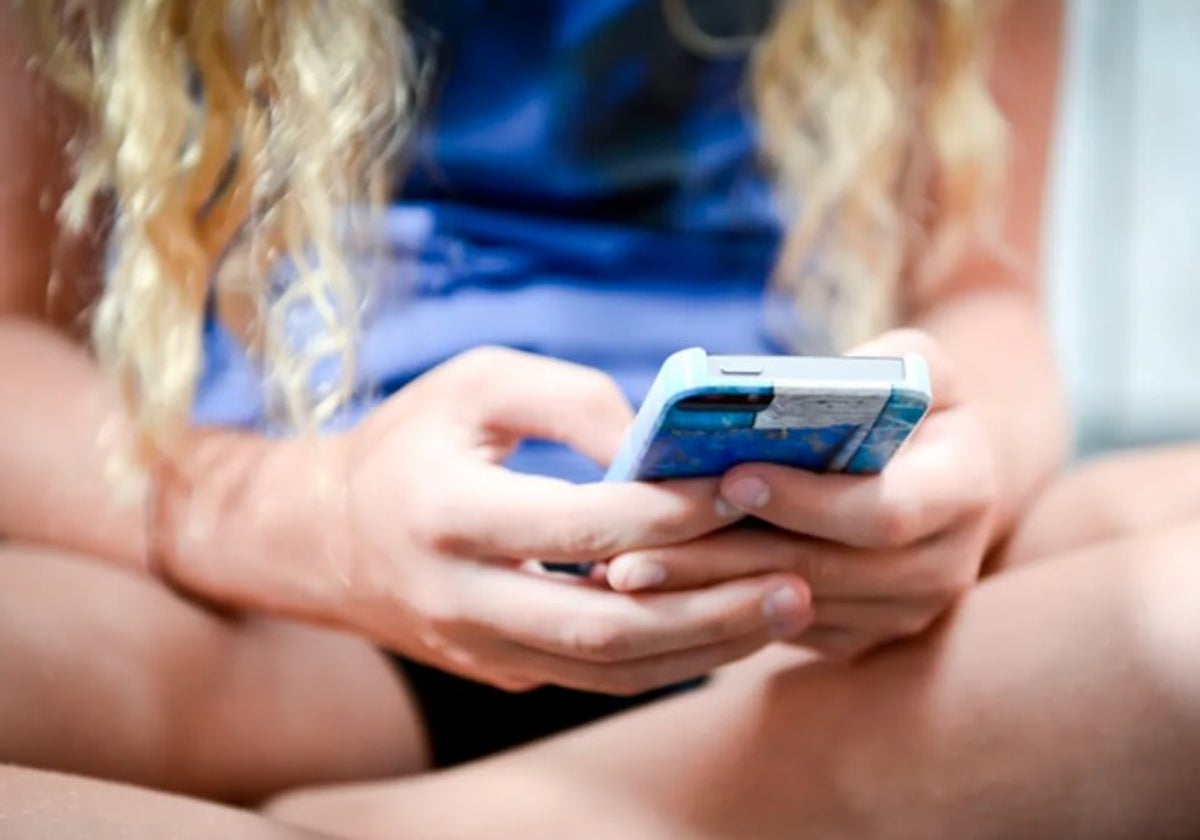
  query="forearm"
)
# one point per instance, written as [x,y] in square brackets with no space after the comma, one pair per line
[240,521]
[995,335]
[988,313]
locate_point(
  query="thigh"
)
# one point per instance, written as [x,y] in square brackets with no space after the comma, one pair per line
[1110,498]
[1060,700]
[107,673]
[36,805]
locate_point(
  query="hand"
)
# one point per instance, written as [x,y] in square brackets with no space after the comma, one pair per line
[884,555]
[442,535]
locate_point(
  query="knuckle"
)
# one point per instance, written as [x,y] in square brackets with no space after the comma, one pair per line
[838,644]
[465,661]
[595,639]
[429,529]
[899,523]
[844,648]
[950,577]
[731,623]
[623,683]
[440,610]
[935,579]
[516,685]
[430,525]
[916,621]
[979,496]
[475,370]
[680,516]
[819,568]
[582,540]
[954,587]
[983,505]
[482,360]
[599,389]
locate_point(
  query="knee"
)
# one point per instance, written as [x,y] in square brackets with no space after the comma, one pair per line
[89,657]
[1109,499]
[1167,589]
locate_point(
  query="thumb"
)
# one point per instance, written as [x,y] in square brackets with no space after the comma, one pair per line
[521,395]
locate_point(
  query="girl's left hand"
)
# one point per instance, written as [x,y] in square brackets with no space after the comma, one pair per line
[884,555]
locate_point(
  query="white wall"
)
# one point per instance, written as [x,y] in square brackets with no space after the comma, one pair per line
[1124,221]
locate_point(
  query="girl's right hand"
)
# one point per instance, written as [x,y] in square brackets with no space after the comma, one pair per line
[441,536]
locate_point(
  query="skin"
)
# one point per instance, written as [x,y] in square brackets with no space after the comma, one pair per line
[36,805]
[1059,700]
[1107,747]
[108,674]
[323,510]
[916,759]
[910,542]
[883,556]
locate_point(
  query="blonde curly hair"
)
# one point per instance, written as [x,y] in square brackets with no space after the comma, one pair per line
[257,133]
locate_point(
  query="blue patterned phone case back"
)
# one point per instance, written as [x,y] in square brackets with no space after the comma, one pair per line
[853,427]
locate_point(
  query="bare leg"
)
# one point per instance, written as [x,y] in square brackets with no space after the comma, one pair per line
[779,746]
[108,674]
[36,805]
[1061,700]
[1112,497]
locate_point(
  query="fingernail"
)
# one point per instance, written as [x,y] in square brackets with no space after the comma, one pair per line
[643,576]
[785,611]
[748,493]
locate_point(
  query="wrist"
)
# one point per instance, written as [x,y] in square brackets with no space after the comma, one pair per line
[258,524]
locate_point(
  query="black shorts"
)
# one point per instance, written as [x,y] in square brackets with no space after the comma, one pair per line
[465,720]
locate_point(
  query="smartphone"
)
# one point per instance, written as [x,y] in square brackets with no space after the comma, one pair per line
[705,414]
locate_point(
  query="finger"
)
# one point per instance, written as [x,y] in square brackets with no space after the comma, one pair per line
[488,511]
[924,491]
[486,661]
[725,555]
[837,643]
[642,675]
[521,395]
[935,571]
[848,629]
[592,624]
[880,619]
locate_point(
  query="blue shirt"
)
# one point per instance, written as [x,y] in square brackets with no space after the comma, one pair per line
[582,186]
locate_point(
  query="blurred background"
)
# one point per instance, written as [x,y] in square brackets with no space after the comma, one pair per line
[1123,237]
